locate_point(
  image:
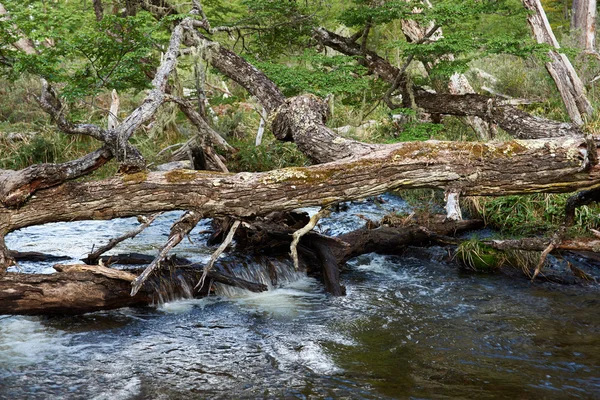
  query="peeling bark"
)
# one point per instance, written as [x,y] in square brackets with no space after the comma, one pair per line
[583,22]
[567,81]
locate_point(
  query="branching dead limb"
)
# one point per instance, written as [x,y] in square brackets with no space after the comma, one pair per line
[93,257]
[314,220]
[514,121]
[218,252]
[179,230]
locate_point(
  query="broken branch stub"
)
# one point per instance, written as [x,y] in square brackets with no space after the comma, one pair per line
[324,212]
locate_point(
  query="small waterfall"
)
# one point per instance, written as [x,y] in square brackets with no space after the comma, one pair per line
[270,272]
[171,288]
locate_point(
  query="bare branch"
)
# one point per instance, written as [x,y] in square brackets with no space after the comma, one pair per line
[179,230]
[324,212]
[93,257]
[218,252]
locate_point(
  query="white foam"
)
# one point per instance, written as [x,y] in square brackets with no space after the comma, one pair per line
[25,341]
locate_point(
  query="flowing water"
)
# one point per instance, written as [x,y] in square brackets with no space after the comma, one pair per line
[408,328]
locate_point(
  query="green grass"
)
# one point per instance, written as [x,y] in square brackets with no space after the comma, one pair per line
[533,214]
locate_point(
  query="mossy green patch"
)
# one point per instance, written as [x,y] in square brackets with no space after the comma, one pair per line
[181,175]
[138,177]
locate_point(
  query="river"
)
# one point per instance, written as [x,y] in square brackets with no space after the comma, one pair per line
[409,327]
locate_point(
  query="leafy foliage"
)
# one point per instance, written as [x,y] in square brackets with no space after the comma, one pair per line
[320,74]
[84,55]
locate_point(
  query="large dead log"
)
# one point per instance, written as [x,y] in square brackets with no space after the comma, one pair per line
[65,293]
[515,167]
[498,111]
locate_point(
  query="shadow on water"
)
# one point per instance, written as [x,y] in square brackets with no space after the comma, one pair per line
[408,328]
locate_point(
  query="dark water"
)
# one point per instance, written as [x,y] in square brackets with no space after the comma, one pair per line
[408,328]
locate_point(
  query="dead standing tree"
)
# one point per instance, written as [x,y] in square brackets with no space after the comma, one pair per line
[350,169]
[560,68]
[583,23]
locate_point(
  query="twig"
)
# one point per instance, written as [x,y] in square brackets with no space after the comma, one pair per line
[218,252]
[543,257]
[303,231]
[92,258]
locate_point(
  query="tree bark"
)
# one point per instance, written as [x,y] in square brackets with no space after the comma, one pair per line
[583,23]
[516,167]
[98,10]
[6,259]
[567,81]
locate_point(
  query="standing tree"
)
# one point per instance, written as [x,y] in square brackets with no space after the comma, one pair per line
[583,23]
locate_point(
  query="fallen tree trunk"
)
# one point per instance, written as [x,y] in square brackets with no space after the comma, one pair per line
[516,167]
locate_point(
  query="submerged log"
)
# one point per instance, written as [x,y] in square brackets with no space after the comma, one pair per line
[78,289]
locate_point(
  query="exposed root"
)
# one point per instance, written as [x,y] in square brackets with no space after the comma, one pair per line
[93,257]
[324,212]
[218,252]
[180,229]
